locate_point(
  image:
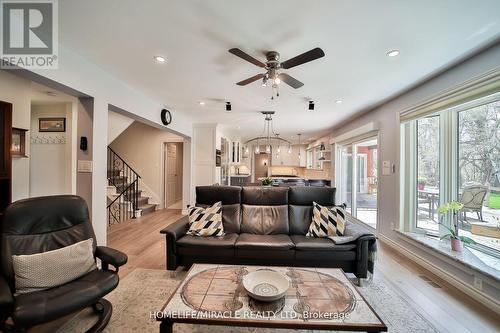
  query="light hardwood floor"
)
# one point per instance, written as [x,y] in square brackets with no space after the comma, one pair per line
[449,309]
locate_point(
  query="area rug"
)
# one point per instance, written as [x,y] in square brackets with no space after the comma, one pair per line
[144,291]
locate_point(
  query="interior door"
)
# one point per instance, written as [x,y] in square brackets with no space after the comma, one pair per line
[170,174]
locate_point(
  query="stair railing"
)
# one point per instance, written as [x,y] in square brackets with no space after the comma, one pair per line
[126,181]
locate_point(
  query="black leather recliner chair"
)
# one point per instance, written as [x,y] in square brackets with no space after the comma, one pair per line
[48,223]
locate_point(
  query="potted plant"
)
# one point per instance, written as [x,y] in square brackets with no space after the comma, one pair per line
[268,181]
[421,181]
[456,240]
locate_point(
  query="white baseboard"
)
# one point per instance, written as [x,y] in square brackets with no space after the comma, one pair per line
[459,284]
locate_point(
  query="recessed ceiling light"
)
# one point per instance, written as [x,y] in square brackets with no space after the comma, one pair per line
[338,101]
[393,53]
[159,59]
[239,127]
[201,103]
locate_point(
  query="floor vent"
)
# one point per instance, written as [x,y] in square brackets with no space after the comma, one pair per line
[429,281]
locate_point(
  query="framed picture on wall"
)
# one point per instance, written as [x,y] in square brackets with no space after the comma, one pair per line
[18,148]
[52,124]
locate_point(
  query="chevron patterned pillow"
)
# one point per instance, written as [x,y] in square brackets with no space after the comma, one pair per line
[327,221]
[206,221]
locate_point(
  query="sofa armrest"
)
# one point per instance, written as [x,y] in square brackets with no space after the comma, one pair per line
[6,300]
[362,246]
[110,256]
[177,229]
[172,233]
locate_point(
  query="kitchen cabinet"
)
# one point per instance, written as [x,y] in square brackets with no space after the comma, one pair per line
[317,157]
[296,158]
[240,180]
[235,152]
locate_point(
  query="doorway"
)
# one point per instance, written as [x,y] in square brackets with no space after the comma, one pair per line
[261,165]
[173,162]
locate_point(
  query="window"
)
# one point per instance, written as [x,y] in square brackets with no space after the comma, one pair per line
[359,159]
[454,155]
[427,191]
[478,181]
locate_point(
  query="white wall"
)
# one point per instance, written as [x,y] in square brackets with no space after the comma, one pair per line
[141,146]
[17,91]
[86,77]
[51,162]
[117,123]
[204,143]
[387,116]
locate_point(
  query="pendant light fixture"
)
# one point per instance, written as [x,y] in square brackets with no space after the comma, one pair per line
[270,138]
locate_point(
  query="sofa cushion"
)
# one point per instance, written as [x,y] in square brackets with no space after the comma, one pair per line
[264,220]
[305,243]
[231,217]
[208,195]
[226,241]
[306,195]
[264,196]
[206,222]
[46,305]
[264,242]
[327,221]
[40,271]
[300,207]
[299,219]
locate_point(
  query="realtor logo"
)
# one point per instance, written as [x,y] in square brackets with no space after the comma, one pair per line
[29,34]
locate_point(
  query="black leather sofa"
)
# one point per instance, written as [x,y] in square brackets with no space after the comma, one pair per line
[265,226]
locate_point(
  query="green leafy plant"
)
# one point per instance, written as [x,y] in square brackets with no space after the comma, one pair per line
[422,180]
[454,207]
[267,181]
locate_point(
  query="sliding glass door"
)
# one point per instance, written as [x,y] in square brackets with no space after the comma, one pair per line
[357,169]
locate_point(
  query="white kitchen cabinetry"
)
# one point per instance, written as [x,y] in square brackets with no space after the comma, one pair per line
[235,152]
[296,158]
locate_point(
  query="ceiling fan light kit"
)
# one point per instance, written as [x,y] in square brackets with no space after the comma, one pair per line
[273,67]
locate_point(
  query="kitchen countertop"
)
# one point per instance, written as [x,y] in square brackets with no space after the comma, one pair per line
[241,175]
[295,178]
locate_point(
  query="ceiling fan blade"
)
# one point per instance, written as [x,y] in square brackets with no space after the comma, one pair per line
[250,80]
[291,81]
[239,53]
[303,58]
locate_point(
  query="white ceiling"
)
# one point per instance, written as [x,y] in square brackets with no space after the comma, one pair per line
[122,36]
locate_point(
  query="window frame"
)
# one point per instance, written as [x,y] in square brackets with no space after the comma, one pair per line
[339,172]
[449,160]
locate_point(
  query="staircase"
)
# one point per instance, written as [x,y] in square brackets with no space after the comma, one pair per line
[124,198]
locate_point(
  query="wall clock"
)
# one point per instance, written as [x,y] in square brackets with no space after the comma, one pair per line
[166,117]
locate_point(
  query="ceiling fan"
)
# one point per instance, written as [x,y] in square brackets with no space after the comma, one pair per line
[273,66]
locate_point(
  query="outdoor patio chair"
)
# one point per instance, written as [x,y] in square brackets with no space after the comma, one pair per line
[472,198]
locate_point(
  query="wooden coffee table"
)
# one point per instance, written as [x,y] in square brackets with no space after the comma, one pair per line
[318,298]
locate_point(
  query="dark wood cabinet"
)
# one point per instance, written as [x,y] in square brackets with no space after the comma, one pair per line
[5,156]
[240,180]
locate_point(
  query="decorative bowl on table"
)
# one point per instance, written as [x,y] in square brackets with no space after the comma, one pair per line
[266,285]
